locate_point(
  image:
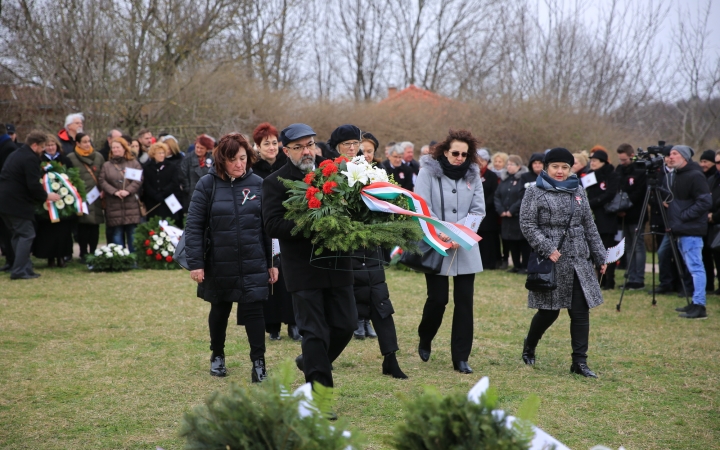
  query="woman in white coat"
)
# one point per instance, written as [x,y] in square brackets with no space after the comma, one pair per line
[450,176]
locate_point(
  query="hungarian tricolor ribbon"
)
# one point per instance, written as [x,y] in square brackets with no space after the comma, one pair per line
[47,182]
[375,195]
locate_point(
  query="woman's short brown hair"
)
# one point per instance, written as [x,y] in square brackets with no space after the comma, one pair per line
[52,139]
[152,151]
[227,147]
[457,135]
[128,154]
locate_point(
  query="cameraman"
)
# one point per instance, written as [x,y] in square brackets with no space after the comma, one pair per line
[633,183]
[687,216]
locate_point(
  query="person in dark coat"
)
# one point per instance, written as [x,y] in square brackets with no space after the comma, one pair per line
[402,173]
[279,308]
[161,180]
[535,166]
[707,164]
[196,165]
[322,292]
[7,146]
[713,222]
[236,267]
[508,198]
[21,191]
[546,208]
[600,194]
[489,229]
[53,241]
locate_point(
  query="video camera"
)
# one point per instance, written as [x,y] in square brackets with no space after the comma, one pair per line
[652,159]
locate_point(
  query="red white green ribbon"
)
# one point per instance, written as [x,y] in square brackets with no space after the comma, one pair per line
[52,209]
[375,195]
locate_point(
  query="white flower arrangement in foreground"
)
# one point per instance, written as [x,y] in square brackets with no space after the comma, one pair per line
[361,171]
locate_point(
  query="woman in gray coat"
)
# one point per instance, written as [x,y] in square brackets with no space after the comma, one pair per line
[544,215]
[451,165]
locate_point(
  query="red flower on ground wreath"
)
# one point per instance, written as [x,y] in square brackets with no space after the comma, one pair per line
[328,187]
[310,193]
[151,233]
[147,243]
[158,256]
[309,178]
[168,259]
[341,159]
[329,170]
[326,162]
[149,252]
[314,203]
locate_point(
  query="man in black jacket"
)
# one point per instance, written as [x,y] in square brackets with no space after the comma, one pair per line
[688,217]
[322,292]
[7,146]
[632,182]
[20,191]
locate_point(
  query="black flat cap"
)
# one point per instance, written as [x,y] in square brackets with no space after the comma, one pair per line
[294,132]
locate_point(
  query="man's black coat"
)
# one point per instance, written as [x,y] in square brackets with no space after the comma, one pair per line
[20,187]
[403,174]
[296,250]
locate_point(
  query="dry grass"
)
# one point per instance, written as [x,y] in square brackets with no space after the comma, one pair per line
[113,360]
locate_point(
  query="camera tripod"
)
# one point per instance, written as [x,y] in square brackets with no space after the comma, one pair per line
[652,187]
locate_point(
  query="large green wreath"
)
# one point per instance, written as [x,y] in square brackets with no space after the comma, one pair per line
[73,176]
[149,235]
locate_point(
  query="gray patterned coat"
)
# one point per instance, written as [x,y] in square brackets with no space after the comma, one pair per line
[543,217]
[462,197]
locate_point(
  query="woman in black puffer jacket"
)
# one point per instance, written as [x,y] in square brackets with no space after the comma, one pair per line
[236,266]
[600,194]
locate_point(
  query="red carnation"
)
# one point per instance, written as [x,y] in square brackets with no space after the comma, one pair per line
[329,169]
[309,178]
[314,203]
[328,187]
[151,233]
[326,162]
[341,159]
[168,258]
[147,243]
[158,256]
[310,193]
[149,252]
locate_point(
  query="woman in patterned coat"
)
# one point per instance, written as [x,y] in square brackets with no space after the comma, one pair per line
[544,215]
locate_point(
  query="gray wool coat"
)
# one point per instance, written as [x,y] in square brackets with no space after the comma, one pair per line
[543,217]
[462,197]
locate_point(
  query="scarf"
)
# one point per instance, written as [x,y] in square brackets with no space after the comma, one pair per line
[546,183]
[82,152]
[454,172]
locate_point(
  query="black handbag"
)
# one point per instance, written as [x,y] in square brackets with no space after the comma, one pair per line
[429,260]
[180,255]
[621,202]
[541,271]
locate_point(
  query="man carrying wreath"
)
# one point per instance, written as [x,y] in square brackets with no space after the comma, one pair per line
[322,293]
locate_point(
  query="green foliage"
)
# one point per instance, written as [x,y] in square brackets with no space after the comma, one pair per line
[265,417]
[111,258]
[149,235]
[436,422]
[73,176]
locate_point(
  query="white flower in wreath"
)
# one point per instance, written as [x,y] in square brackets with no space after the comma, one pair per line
[119,250]
[69,199]
[155,247]
[160,241]
[355,174]
[377,174]
[126,252]
[164,254]
[51,176]
[55,186]
[163,234]
[155,237]
[59,204]
[98,252]
[63,191]
[108,255]
[45,206]
[64,177]
[171,248]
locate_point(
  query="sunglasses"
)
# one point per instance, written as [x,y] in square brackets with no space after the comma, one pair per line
[457,153]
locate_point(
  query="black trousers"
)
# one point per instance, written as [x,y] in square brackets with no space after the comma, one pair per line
[6,243]
[87,237]
[252,315]
[579,324]
[23,235]
[438,288]
[326,319]
[520,251]
[711,261]
[608,240]
[489,248]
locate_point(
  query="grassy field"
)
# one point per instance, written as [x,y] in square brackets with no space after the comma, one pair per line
[106,361]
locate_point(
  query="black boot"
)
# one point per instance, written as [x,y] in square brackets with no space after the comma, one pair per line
[369,332]
[390,366]
[258,371]
[217,366]
[528,354]
[275,336]
[582,368]
[294,333]
[360,332]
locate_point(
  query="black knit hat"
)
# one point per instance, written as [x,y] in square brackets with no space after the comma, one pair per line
[600,154]
[559,154]
[344,133]
[708,155]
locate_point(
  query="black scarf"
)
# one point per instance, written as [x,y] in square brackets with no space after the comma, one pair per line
[454,172]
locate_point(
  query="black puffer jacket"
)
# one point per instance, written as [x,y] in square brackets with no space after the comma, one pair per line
[370,288]
[688,211]
[508,197]
[600,194]
[236,268]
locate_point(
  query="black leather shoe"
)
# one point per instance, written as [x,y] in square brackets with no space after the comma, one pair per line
[294,333]
[300,363]
[360,332]
[275,336]
[661,290]
[424,353]
[217,366]
[683,309]
[25,277]
[582,369]
[462,367]
[695,312]
[528,354]
[369,332]
[391,367]
[258,374]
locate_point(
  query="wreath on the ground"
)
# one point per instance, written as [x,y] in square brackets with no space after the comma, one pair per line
[153,246]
